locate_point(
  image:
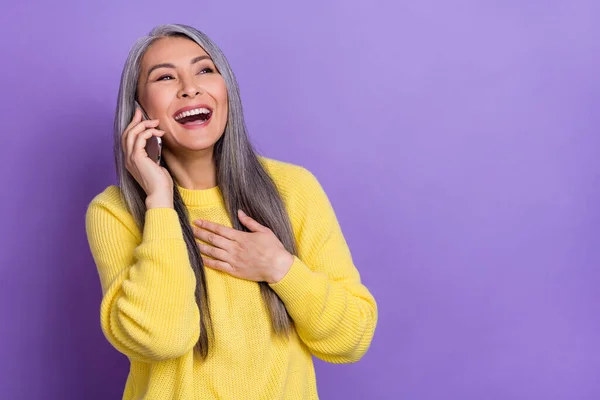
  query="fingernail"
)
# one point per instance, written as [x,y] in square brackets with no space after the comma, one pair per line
[242,213]
[198,222]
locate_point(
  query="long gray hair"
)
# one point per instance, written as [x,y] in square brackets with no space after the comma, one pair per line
[243,181]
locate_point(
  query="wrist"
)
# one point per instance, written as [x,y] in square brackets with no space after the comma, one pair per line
[159,201]
[283,264]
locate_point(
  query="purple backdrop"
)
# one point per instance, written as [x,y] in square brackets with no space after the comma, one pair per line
[456,140]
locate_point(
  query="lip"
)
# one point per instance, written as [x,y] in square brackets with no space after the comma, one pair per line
[188,108]
[194,125]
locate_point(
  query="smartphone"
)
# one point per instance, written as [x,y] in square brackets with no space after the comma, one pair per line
[154,143]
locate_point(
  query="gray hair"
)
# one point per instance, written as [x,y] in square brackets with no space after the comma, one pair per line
[242,179]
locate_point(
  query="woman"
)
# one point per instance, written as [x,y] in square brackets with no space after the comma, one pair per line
[280,284]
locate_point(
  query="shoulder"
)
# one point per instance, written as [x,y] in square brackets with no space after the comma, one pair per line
[291,180]
[300,190]
[109,203]
[109,198]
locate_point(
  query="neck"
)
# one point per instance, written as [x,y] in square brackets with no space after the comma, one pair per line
[194,171]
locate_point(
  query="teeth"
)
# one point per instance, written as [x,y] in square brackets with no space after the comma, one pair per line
[196,111]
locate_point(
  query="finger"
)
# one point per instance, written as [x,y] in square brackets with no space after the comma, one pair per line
[221,230]
[137,118]
[218,265]
[136,126]
[136,130]
[250,223]
[142,138]
[212,238]
[214,252]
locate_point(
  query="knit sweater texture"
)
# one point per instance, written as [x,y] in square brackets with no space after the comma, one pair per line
[149,313]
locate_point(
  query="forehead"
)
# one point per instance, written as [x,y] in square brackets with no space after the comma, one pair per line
[172,50]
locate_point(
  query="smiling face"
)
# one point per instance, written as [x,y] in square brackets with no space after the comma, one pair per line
[179,85]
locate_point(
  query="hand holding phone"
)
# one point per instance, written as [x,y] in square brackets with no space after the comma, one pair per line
[154,143]
[142,158]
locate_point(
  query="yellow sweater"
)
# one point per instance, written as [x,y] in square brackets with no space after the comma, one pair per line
[149,313]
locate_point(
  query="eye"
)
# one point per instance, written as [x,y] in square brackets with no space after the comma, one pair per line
[165,78]
[206,70]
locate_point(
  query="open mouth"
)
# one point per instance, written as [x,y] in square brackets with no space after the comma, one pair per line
[196,116]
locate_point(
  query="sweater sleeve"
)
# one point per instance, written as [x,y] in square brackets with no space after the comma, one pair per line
[148,310]
[334,314]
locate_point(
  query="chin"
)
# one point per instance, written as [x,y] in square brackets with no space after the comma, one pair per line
[198,144]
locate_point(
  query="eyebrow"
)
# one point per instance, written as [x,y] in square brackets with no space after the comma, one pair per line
[169,65]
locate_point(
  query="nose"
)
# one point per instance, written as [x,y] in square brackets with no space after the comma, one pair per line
[189,89]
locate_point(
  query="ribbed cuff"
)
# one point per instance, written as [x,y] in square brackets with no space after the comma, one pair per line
[162,223]
[296,285]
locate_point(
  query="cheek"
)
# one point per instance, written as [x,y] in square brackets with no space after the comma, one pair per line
[224,100]
[220,92]
[157,101]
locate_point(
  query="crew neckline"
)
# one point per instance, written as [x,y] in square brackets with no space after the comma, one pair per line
[201,197]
